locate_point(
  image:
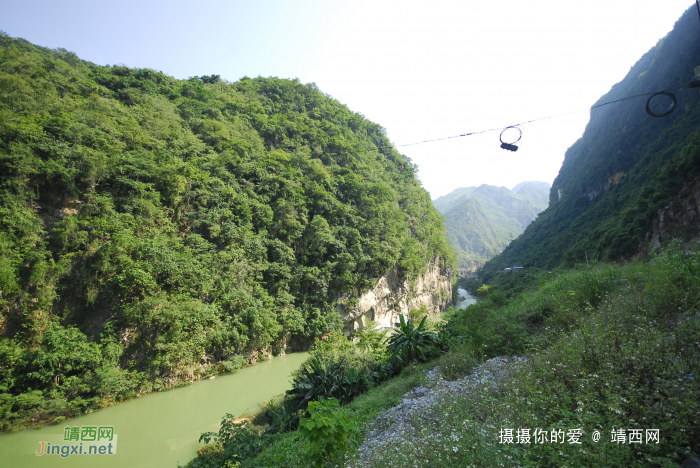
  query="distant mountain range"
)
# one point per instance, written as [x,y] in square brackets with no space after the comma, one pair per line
[481,221]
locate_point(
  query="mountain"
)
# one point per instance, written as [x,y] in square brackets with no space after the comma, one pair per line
[627,165]
[481,221]
[155,229]
[543,186]
[536,192]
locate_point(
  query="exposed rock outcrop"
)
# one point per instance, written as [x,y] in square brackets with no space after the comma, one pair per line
[398,425]
[392,296]
[680,219]
[593,192]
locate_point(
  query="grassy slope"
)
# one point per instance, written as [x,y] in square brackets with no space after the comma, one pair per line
[608,346]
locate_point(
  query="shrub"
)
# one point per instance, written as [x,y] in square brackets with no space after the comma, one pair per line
[483,291]
[327,431]
[328,380]
[233,442]
[371,340]
[234,363]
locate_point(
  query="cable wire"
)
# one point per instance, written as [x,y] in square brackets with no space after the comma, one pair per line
[545,118]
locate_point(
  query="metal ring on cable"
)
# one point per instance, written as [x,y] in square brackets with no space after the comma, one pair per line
[510,146]
[664,114]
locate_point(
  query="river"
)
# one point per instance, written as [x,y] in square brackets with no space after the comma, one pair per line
[158,430]
[466,299]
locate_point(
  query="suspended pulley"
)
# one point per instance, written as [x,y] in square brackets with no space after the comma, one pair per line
[510,146]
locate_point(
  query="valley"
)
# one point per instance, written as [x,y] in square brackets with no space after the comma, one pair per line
[242,274]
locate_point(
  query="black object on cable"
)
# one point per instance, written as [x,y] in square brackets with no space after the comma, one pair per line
[664,114]
[510,146]
[692,85]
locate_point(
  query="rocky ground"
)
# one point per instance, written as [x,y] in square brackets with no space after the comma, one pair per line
[406,422]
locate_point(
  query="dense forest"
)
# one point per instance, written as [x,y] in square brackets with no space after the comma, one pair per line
[626,166]
[481,221]
[156,230]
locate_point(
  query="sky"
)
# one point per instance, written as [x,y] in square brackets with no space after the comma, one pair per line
[422,70]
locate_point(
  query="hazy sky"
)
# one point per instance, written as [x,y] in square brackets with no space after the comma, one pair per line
[422,70]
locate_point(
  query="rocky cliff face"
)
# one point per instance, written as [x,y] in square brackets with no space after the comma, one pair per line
[680,219]
[596,190]
[391,296]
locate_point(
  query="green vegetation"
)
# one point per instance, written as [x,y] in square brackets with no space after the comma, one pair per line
[411,342]
[626,166]
[331,379]
[326,430]
[481,221]
[336,373]
[607,346]
[233,440]
[154,231]
[288,449]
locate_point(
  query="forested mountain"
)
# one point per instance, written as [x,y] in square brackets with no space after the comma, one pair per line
[481,221]
[536,193]
[152,227]
[542,186]
[626,166]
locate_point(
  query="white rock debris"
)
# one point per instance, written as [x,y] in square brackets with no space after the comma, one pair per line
[398,424]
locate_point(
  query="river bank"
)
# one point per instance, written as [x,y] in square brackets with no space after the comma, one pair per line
[587,342]
[159,430]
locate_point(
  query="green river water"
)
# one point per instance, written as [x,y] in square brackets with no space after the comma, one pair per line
[157,430]
[465,300]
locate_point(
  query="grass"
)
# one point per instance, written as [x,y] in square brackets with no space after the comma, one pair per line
[287,450]
[607,347]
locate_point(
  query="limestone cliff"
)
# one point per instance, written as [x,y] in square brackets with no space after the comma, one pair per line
[680,219]
[392,296]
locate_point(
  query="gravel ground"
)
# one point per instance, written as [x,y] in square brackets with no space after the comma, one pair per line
[399,424]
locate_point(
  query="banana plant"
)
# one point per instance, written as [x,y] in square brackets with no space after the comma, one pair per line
[316,379]
[410,342]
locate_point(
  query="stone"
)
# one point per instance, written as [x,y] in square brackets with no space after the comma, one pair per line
[679,219]
[391,297]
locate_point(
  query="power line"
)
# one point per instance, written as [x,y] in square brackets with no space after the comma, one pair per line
[544,118]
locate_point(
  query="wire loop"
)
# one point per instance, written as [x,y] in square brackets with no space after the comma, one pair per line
[663,114]
[500,137]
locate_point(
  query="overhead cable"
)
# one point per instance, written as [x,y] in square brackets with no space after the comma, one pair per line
[665,92]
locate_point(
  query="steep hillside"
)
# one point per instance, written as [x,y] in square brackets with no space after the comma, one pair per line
[154,227]
[474,234]
[481,221]
[626,166]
